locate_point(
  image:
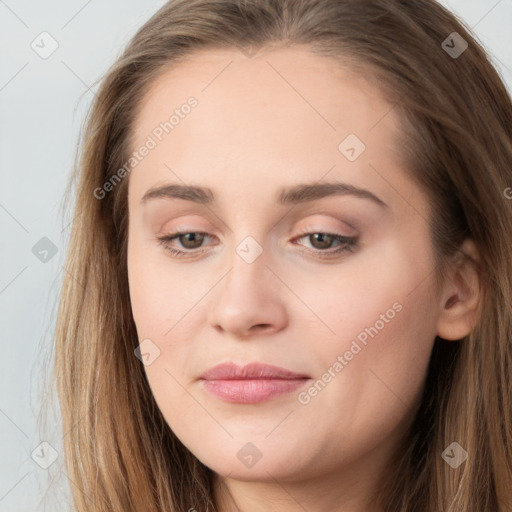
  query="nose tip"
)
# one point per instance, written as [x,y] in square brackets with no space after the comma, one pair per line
[248,302]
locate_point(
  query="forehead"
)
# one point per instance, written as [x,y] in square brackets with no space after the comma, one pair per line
[304,85]
[281,114]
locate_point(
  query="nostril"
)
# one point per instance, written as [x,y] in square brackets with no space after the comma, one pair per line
[259,327]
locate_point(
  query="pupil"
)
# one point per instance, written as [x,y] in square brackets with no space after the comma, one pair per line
[322,239]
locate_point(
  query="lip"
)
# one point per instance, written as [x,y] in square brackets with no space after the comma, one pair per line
[252,383]
[252,371]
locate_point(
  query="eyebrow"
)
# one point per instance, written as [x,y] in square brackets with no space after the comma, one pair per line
[298,194]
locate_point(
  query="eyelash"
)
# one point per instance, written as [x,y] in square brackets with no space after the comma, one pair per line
[349,244]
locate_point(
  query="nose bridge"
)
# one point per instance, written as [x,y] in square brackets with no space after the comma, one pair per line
[253,242]
[250,250]
[249,267]
[250,237]
[248,297]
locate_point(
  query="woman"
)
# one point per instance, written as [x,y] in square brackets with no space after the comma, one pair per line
[293,234]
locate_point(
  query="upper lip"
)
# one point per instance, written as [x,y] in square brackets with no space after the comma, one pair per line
[231,371]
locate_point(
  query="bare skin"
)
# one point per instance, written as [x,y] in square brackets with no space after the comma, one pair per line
[262,124]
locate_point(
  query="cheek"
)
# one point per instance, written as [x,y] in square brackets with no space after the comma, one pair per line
[159,292]
[386,293]
[168,311]
[384,323]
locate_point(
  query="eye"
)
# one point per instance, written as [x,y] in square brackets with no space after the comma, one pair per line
[192,241]
[321,241]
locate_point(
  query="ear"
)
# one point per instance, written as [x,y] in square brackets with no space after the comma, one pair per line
[461,296]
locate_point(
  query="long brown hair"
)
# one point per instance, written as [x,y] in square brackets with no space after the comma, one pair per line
[457,138]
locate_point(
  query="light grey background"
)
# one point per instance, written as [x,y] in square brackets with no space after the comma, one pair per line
[42,107]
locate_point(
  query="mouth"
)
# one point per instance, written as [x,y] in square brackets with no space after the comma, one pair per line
[253,383]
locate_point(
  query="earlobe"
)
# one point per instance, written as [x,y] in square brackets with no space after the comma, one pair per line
[461,296]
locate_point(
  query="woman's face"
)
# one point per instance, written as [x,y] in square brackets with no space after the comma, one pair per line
[288,152]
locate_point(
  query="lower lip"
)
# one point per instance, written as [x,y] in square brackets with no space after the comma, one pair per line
[251,391]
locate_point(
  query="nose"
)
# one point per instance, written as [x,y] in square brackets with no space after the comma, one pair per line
[249,300]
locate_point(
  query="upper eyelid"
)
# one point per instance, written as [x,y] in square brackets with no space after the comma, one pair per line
[177,232]
[349,226]
[350,223]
